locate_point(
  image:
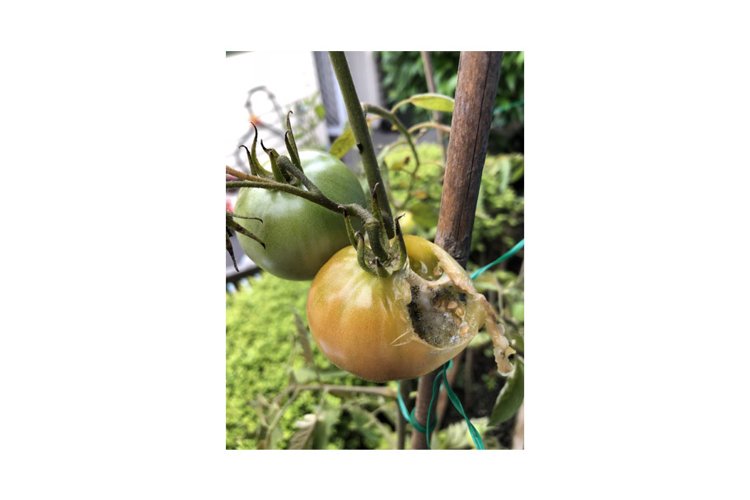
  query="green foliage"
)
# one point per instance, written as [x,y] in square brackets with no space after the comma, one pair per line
[403,76]
[273,369]
[343,143]
[498,224]
[457,437]
[431,102]
[416,189]
[259,353]
[511,396]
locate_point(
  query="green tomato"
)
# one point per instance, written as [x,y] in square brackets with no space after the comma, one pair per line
[299,235]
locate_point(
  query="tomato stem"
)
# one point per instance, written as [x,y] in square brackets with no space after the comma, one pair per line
[242,175]
[361,133]
[361,259]
[383,241]
[291,171]
[374,230]
[314,195]
[391,117]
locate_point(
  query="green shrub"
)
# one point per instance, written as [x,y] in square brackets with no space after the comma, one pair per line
[498,222]
[260,335]
[403,76]
[266,363]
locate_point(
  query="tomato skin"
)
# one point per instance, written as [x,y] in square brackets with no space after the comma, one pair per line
[299,235]
[362,324]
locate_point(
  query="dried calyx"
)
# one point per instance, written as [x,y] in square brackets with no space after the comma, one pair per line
[287,170]
[375,253]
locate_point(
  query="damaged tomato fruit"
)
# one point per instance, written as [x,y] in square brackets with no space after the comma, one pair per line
[404,325]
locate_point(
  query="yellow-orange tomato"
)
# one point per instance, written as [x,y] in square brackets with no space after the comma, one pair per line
[399,327]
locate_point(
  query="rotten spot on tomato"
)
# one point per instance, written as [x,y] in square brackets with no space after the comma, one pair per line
[446,310]
[438,315]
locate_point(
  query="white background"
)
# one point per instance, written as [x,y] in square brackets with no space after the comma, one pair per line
[112,354]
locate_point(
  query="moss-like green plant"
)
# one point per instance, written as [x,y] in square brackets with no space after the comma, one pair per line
[269,374]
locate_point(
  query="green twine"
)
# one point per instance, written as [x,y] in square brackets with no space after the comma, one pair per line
[507,255]
[428,429]
[442,378]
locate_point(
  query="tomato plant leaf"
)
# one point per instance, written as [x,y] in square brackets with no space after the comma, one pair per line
[511,396]
[516,339]
[320,111]
[343,143]
[327,419]
[302,439]
[433,102]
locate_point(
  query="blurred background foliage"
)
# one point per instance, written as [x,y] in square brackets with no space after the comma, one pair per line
[402,75]
[498,222]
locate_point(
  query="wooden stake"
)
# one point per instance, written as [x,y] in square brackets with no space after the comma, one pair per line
[478,78]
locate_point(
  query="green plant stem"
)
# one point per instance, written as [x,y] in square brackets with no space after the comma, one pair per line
[242,175]
[384,113]
[313,193]
[437,126]
[277,418]
[400,142]
[361,134]
[377,391]
[430,79]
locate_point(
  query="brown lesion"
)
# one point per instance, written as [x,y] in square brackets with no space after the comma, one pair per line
[438,312]
[504,353]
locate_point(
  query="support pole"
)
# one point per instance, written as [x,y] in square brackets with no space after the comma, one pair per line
[478,78]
